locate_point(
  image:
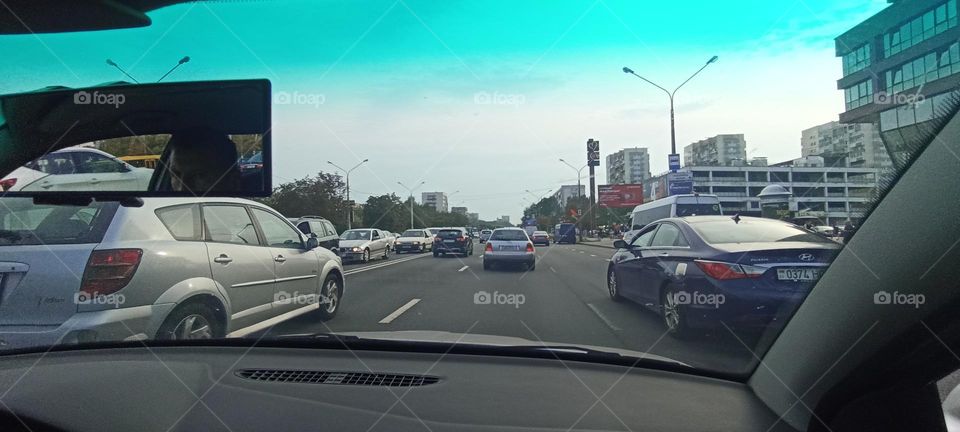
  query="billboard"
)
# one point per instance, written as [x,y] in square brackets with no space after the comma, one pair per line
[620,195]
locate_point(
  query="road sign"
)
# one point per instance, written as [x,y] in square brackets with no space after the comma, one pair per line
[674,161]
[593,145]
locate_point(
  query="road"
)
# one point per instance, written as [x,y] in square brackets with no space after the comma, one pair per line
[563,301]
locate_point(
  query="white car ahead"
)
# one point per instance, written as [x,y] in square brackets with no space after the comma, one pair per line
[77,169]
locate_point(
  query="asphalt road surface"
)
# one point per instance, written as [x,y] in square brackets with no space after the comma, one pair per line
[564,301]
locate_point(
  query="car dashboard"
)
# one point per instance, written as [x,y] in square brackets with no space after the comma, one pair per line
[270,388]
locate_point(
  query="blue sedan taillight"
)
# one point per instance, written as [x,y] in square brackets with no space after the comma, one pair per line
[728,271]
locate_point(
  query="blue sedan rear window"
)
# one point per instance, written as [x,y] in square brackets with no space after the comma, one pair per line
[751,231]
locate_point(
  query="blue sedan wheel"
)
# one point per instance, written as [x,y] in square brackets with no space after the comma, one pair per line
[674,313]
[613,285]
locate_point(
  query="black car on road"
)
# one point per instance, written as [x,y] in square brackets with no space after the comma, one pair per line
[452,241]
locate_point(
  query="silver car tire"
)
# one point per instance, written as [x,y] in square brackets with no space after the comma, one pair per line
[189,322]
[331,295]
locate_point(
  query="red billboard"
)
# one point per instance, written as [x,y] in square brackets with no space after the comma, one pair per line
[620,195]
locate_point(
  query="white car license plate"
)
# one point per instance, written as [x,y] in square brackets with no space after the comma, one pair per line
[798,274]
[449,241]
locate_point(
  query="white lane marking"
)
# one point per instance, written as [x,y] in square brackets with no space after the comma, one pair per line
[552,269]
[603,317]
[581,251]
[389,318]
[376,266]
[592,255]
[463,268]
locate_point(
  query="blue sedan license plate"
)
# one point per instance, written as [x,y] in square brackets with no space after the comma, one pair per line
[798,274]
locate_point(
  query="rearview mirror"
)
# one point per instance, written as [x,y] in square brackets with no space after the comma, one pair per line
[620,244]
[312,242]
[182,139]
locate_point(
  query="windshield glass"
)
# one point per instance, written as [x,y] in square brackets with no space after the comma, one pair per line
[356,235]
[499,116]
[697,209]
[508,235]
[753,230]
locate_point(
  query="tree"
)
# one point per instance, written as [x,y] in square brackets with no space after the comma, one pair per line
[321,195]
[385,212]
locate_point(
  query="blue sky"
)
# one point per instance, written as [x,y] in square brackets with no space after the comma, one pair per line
[407,83]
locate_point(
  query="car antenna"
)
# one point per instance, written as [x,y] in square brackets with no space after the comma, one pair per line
[182,61]
[736,218]
[112,63]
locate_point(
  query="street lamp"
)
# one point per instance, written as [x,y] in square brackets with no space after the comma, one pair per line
[347,176]
[578,174]
[670,94]
[410,190]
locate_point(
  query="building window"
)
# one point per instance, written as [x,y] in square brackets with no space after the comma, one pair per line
[858,94]
[924,69]
[856,60]
[921,28]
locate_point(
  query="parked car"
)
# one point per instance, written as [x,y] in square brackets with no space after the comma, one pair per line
[540,237]
[76,169]
[484,235]
[699,271]
[362,244]
[171,268]
[319,228]
[452,241]
[414,240]
[509,246]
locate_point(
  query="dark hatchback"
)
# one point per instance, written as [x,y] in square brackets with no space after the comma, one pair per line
[452,241]
[715,271]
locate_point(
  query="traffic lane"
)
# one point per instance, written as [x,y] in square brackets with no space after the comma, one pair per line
[375,290]
[505,301]
[641,329]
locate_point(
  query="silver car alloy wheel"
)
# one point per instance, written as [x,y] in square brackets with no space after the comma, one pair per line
[193,326]
[331,296]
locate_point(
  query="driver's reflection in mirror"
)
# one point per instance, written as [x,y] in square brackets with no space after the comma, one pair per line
[202,160]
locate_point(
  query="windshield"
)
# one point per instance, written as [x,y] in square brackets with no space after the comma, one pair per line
[509,235]
[754,231]
[697,209]
[356,235]
[500,116]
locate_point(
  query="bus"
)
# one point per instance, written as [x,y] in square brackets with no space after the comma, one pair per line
[674,206]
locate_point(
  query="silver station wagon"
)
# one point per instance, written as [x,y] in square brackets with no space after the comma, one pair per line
[164,268]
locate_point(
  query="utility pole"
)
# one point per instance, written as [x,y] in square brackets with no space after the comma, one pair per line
[593,160]
[349,204]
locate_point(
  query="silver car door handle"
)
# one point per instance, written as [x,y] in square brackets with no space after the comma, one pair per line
[223,259]
[279,259]
[664,253]
[94,181]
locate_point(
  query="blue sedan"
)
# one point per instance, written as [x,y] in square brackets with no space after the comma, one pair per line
[701,271]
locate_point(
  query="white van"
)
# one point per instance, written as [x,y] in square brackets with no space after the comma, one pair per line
[672,206]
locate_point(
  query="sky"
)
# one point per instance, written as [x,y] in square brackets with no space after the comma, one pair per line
[482,97]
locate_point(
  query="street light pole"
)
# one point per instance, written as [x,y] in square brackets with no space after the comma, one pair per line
[578,174]
[347,181]
[410,191]
[670,94]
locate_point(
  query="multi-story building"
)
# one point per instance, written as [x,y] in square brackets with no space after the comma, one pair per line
[833,194]
[569,191]
[459,210]
[899,67]
[504,219]
[720,150]
[630,165]
[473,218]
[437,200]
[853,145]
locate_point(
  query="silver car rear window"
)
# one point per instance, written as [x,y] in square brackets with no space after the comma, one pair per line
[24,223]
